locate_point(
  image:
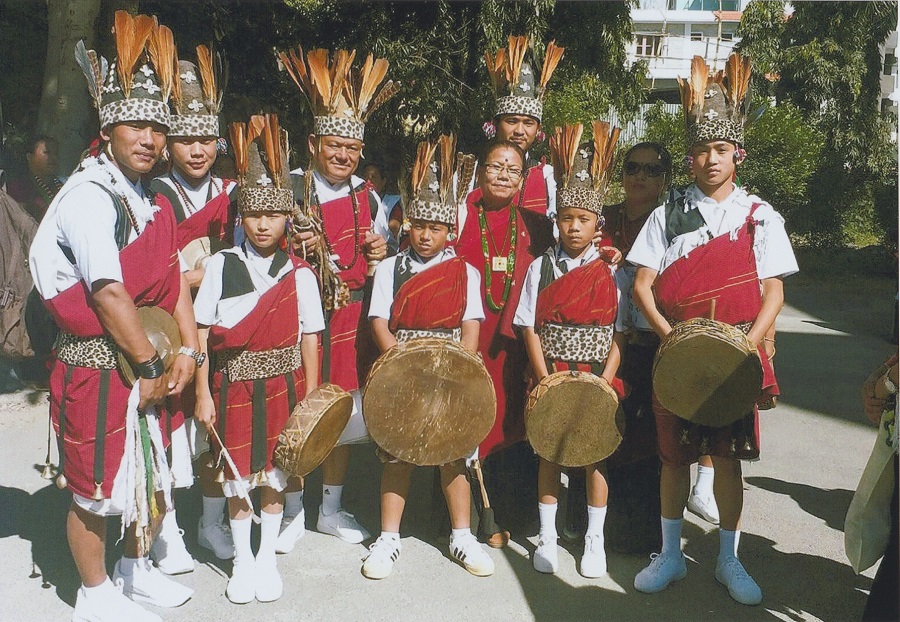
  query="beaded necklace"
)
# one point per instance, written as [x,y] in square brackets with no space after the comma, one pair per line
[48,192]
[356,249]
[122,197]
[186,200]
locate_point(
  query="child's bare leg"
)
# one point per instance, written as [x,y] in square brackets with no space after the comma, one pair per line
[457,493]
[394,488]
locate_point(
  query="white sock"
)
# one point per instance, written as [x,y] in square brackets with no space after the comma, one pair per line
[671,535]
[391,535]
[547,514]
[737,541]
[213,510]
[596,520]
[240,532]
[705,476]
[97,590]
[169,524]
[728,543]
[460,533]
[129,565]
[331,499]
[293,504]
[270,526]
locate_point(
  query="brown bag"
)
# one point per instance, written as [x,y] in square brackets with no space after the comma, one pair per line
[17,230]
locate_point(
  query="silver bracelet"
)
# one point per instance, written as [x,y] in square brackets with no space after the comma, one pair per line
[199,357]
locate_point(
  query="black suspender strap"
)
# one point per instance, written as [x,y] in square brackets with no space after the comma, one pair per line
[61,436]
[259,442]
[100,430]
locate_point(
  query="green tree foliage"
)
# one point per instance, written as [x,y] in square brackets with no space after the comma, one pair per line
[761,29]
[668,129]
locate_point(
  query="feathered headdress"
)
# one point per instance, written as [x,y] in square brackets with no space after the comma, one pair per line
[202,86]
[137,85]
[439,181]
[583,170]
[715,106]
[260,150]
[516,88]
[342,98]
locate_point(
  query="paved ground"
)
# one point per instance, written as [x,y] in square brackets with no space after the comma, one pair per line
[815,445]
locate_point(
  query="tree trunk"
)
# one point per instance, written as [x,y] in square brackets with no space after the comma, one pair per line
[66,111]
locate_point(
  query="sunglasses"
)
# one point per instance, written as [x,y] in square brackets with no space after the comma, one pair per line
[652,170]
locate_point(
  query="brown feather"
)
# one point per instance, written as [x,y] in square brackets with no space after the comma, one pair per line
[684,86]
[496,67]
[699,78]
[320,79]
[237,131]
[552,56]
[605,140]
[737,70]
[342,79]
[131,40]
[255,127]
[207,76]
[372,76]
[517,48]
[563,149]
[165,61]
[424,154]
[465,173]
[389,89]
[447,145]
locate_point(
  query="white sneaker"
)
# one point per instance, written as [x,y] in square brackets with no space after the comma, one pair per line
[663,569]
[292,529]
[110,605]
[730,572]
[593,562]
[343,525]
[217,538]
[269,586]
[382,555]
[467,550]
[704,506]
[148,585]
[241,588]
[170,554]
[546,556]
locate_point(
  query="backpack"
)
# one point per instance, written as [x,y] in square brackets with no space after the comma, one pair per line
[17,230]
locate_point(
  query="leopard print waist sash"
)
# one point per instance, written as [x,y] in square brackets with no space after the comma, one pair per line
[576,344]
[246,365]
[406,334]
[91,352]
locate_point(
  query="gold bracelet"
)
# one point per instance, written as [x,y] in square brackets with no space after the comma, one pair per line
[768,339]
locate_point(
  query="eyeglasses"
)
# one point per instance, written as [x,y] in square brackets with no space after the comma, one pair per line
[494,170]
[652,170]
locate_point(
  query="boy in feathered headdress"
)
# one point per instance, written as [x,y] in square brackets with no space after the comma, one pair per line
[427,291]
[205,207]
[90,265]
[568,316]
[346,232]
[692,248]
[258,309]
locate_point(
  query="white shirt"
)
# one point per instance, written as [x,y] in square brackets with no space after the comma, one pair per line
[82,218]
[211,310]
[197,196]
[771,245]
[525,312]
[629,312]
[327,192]
[383,284]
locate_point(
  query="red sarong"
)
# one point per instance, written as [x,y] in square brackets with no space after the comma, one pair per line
[346,344]
[81,389]
[252,413]
[433,298]
[723,270]
[504,355]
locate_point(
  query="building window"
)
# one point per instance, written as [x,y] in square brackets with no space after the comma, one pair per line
[890,63]
[727,36]
[696,36]
[648,45]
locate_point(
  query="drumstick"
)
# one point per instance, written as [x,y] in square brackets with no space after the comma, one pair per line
[712,309]
[476,466]
[243,493]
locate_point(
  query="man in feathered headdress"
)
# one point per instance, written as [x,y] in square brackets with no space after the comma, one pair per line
[90,265]
[694,248]
[347,232]
[205,210]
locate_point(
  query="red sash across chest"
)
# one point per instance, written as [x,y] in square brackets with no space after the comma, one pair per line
[150,273]
[585,296]
[338,219]
[214,221]
[433,298]
[273,323]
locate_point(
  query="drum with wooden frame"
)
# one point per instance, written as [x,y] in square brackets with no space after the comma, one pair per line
[572,418]
[197,253]
[706,372]
[162,332]
[429,401]
[313,430]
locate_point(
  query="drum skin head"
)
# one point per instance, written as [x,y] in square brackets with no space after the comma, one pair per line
[429,402]
[197,252]
[572,419]
[313,430]
[162,332]
[705,377]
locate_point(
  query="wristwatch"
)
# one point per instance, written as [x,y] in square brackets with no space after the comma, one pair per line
[198,357]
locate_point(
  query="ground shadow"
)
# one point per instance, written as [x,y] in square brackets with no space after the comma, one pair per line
[829,505]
